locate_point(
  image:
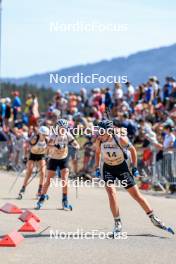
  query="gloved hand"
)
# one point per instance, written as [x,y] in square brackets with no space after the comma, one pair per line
[57,146]
[135,172]
[97,173]
[46,158]
[25,160]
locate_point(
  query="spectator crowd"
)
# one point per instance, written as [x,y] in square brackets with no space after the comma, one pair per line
[147,111]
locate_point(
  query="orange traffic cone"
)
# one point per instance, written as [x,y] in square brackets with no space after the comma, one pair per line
[10,209]
[11,240]
[30,226]
[26,215]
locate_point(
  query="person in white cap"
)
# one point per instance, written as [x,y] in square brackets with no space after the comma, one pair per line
[38,149]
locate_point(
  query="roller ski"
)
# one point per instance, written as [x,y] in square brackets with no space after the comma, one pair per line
[117,228]
[66,206]
[158,223]
[21,193]
[41,201]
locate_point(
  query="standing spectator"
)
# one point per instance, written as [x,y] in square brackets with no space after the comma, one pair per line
[108,98]
[96,98]
[2,111]
[7,111]
[96,114]
[149,96]
[72,101]
[83,94]
[130,92]
[172,96]
[130,125]
[60,103]
[155,85]
[169,138]
[118,93]
[167,89]
[16,105]
[34,112]
[167,119]
[141,90]
[27,109]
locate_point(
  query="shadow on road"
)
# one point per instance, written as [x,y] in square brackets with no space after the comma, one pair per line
[147,235]
[70,236]
[15,198]
[59,236]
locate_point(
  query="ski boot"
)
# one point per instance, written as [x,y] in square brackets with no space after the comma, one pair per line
[158,223]
[20,195]
[66,206]
[41,200]
[117,228]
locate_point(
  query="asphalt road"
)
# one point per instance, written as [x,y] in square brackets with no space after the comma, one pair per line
[144,242]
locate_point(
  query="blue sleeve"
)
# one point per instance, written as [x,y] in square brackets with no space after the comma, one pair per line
[17,102]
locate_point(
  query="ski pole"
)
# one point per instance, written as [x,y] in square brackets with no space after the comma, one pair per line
[14,182]
[35,174]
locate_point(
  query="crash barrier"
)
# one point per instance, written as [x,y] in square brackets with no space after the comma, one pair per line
[11,157]
[161,171]
[4,154]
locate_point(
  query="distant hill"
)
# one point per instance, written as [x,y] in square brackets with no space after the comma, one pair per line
[138,67]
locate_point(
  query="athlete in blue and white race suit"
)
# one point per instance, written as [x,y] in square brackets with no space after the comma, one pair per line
[112,165]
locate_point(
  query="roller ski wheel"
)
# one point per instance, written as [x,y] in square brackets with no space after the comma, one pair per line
[66,206]
[20,196]
[21,193]
[169,230]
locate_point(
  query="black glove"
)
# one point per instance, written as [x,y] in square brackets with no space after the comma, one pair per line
[46,158]
[57,146]
[25,160]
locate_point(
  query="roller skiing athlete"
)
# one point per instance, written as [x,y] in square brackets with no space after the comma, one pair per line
[111,163]
[58,157]
[38,148]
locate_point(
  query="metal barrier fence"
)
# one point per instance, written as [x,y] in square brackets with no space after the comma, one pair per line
[4,154]
[11,157]
[164,170]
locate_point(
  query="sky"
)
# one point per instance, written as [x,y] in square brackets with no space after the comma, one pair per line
[31,46]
